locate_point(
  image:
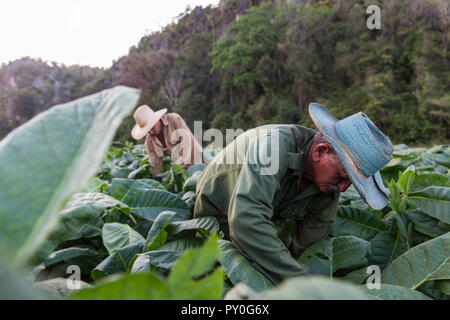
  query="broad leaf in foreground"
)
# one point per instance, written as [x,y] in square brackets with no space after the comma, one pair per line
[125,189]
[165,256]
[50,157]
[393,292]
[148,202]
[193,264]
[424,262]
[384,247]
[82,208]
[118,262]
[422,181]
[117,235]
[157,235]
[204,225]
[313,288]
[196,262]
[139,286]
[426,224]
[57,288]
[69,253]
[181,283]
[332,254]
[191,182]
[239,269]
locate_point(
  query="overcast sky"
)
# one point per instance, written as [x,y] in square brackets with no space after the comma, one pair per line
[85,32]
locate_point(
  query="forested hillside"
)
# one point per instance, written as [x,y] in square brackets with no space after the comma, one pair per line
[247,63]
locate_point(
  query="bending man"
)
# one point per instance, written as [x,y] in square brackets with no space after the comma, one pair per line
[166,133]
[275,188]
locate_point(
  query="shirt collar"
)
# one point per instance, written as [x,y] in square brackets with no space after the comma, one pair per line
[303,151]
[164,120]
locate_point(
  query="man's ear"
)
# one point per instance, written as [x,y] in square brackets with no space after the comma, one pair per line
[319,150]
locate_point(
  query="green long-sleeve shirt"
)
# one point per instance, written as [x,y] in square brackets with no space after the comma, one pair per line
[252,195]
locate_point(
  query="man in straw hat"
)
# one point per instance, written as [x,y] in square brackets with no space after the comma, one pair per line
[166,133]
[255,210]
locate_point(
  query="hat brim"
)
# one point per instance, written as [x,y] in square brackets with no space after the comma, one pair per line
[371,189]
[139,132]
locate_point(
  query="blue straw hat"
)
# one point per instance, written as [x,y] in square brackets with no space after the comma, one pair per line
[362,148]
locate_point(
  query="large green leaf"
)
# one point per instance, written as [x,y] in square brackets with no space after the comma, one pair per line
[331,254]
[444,286]
[124,189]
[393,292]
[239,269]
[82,208]
[117,235]
[357,276]
[139,286]
[146,201]
[207,288]
[15,285]
[433,200]
[193,264]
[191,182]
[180,284]
[196,262]
[422,181]
[439,159]
[91,229]
[204,225]
[432,290]
[189,197]
[357,222]
[91,204]
[426,224]
[313,288]
[50,157]
[162,259]
[95,184]
[119,261]
[195,168]
[157,235]
[383,249]
[165,256]
[57,288]
[425,262]
[69,253]
[406,179]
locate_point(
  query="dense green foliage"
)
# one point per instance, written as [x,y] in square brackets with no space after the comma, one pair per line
[80,205]
[408,240]
[247,63]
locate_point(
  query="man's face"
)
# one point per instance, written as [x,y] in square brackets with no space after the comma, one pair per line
[156,129]
[329,174]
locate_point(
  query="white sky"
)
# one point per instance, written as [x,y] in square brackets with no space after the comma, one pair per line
[85,32]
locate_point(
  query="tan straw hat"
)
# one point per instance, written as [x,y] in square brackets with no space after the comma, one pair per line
[145,119]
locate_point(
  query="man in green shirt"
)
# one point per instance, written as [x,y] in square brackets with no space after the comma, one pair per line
[276,178]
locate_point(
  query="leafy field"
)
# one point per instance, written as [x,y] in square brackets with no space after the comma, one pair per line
[74,200]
